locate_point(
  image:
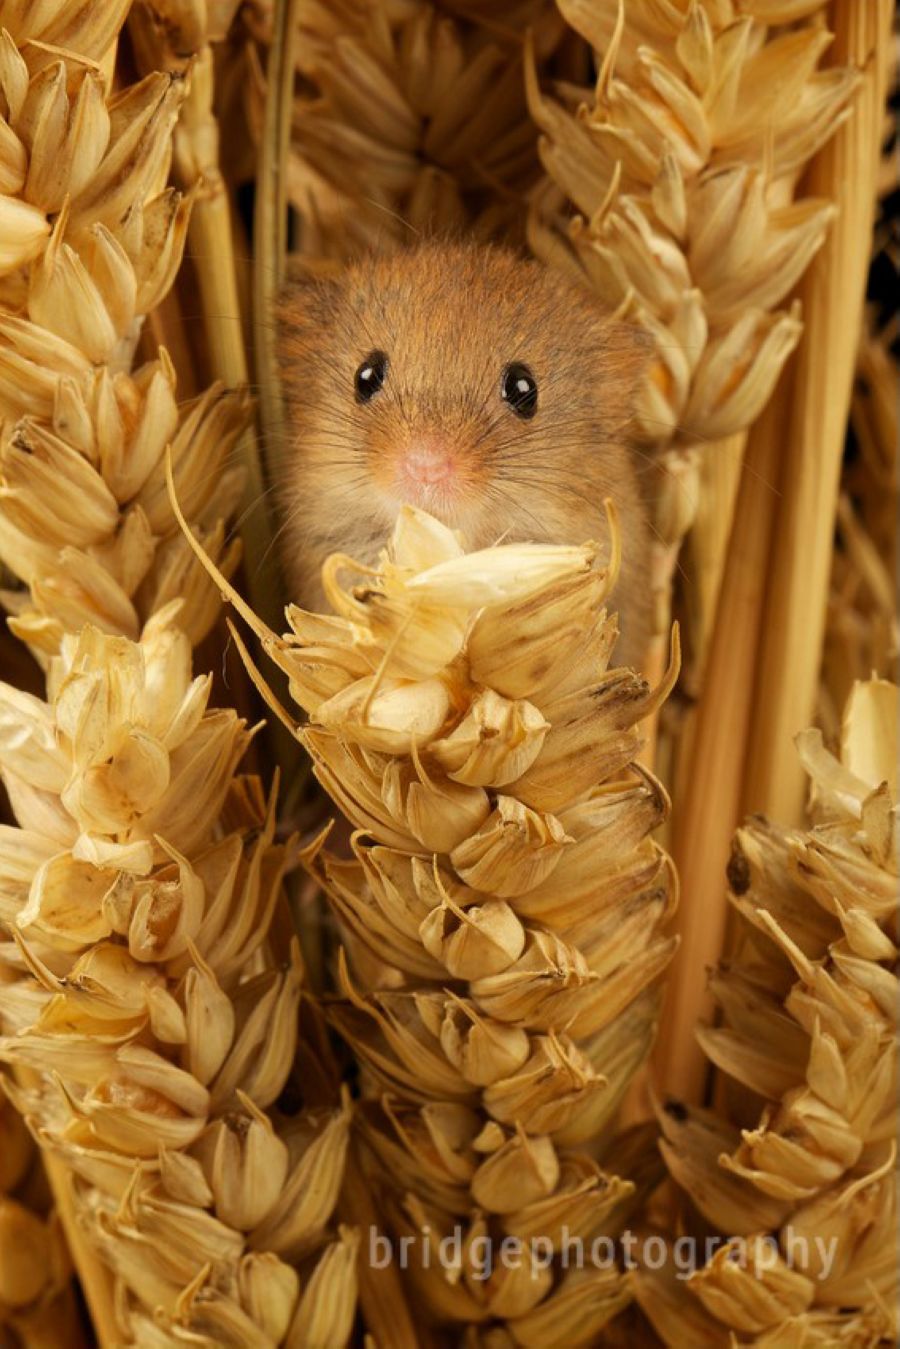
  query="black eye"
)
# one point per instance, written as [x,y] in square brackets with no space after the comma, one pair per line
[519,389]
[371,375]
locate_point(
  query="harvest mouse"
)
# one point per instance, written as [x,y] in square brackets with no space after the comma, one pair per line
[469,381]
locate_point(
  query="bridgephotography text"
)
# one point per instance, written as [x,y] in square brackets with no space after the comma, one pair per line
[481,1254]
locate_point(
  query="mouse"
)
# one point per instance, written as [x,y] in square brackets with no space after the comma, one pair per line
[472,382]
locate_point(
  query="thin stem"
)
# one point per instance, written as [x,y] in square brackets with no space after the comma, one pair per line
[269,257]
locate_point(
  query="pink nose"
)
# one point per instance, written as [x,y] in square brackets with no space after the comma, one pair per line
[426,463]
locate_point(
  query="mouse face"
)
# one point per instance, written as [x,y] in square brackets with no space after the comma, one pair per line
[465,380]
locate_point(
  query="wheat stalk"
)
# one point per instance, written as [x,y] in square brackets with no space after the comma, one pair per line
[797,587]
[861,633]
[709,799]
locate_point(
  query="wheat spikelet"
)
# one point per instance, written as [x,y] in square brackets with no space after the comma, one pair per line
[504,904]
[84,521]
[409,117]
[36,1300]
[144,1009]
[160,1033]
[680,165]
[809,1016]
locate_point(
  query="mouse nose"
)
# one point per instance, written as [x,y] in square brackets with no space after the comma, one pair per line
[426,463]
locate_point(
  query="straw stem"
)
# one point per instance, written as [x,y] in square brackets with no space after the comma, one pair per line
[270,217]
[707,541]
[270,230]
[707,811]
[846,170]
[213,256]
[381,1291]
[95,1278]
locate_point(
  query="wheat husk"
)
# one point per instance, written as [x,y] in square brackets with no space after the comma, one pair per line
[409,120]
[149,1017]
[82,522]
[808,1023]
[479,1095]
[682,204]
[138,932]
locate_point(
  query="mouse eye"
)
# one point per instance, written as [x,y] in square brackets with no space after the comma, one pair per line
[519,389]
[370,376]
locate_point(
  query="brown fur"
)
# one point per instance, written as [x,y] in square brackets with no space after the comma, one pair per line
[450,317]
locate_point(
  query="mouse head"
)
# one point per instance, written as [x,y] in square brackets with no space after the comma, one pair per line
[461,378]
